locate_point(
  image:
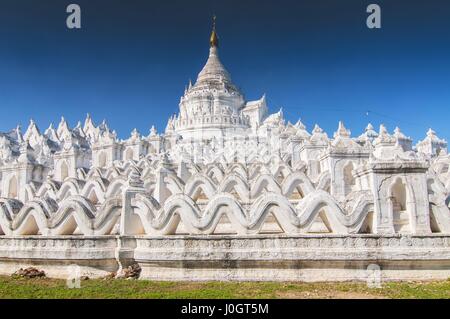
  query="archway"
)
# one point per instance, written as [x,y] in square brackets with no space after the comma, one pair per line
[13,187]
[349,180]
[64,171]
[129,154]
[400,214]
[102,159]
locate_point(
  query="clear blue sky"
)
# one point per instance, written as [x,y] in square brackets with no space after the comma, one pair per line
[317,59]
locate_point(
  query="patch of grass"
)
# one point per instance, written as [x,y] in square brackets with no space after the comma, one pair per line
[111,289]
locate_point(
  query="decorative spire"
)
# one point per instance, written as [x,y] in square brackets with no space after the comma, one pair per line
[431,133]
[88,123]
[214,39]
[300,125]
[384,138]
[342,131]
[398,133]
[317,129]
[51,134]
[32,131]
[369,127]
[383,130]
[135,135]
[153,131]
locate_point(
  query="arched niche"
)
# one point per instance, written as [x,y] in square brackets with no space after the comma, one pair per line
[129,154]
[102,159]
[399,201]
[64,171]
[13,187]
[349,179]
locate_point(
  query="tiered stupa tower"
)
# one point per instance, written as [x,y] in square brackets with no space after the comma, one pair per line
[213,105]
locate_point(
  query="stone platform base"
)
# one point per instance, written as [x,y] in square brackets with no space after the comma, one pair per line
[229,258]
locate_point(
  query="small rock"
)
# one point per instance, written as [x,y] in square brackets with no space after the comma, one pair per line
[110,276]
[29,273]
[131,272]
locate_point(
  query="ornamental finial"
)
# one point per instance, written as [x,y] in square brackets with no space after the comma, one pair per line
[214,40]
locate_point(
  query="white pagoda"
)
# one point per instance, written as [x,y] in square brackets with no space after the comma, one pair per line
[228,187]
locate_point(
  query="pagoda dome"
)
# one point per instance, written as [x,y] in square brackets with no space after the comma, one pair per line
[214,77]
[213,103]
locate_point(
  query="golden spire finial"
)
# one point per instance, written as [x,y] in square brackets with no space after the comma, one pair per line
[214,40]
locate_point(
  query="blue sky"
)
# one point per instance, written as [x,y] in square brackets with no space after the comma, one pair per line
[131,60]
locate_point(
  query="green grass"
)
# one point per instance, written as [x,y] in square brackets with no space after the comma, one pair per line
[52,288]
